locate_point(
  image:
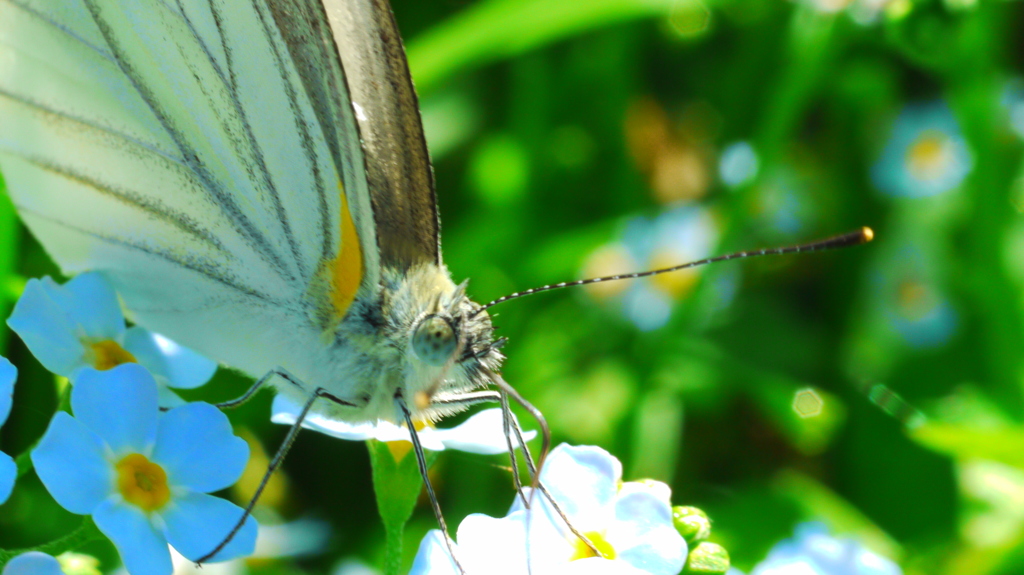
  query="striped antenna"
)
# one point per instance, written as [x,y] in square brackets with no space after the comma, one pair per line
[861,236]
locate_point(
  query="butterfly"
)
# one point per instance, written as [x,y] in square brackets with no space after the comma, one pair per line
[253,179]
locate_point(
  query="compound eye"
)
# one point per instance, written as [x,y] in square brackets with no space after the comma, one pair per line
[434,340]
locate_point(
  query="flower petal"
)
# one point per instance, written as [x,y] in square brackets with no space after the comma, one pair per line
[8,473]
[49,330]
[643,534]
[119,404]
[71,461]
[33,563]
[656,488]
[197,523]
[583,480]
[432,557]
[197,448]
[143,549]
[171,364]
[92,301]
[599,566]
[8,373]
[286,411]
[481,433]
[486,543]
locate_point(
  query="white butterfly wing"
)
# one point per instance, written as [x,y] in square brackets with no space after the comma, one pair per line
[175,147]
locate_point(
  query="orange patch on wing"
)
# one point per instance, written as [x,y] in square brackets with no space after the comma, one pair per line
[347,266]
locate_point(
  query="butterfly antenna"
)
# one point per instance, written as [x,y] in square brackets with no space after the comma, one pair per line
[861,236]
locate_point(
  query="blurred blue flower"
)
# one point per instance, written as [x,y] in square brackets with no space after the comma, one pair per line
[33,563]
[738,164]
[781,202]
[8,470]
[1013,100]
[814,552]
[144,475]
[79,325]
[630,523]
[912,302]
[677,236]
[926,153]
[481,433]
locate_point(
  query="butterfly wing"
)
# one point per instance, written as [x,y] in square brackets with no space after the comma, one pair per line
[203,155]
[397,163]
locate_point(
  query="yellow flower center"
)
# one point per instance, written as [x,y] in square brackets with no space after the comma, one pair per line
[929,156]
[915,300]
[583,551]
[399,449]
[142,482]
[108,354]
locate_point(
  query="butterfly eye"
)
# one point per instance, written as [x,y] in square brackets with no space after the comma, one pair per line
[434,340]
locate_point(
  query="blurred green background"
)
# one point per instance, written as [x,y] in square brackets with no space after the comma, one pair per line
[576,138]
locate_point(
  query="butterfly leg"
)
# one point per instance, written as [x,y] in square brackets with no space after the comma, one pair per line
[506,392]
[258,385]
[282,451]
[421,462]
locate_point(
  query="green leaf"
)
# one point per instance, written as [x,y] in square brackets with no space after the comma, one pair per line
[397,484]
[498,29]
[1004,444]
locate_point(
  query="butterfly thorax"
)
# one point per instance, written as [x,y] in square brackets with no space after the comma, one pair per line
[418,336]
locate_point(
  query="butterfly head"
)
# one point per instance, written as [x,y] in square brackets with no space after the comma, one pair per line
[445,345]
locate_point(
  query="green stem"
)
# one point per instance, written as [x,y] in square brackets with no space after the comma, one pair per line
[85,533]
[392,550]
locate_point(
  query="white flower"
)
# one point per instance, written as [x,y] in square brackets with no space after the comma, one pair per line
[630,524]
[481,433]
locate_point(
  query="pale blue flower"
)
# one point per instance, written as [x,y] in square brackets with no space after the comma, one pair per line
[676,236]
[781,203]
[925,155]
[1013,101]
[738,164]
[630,523]
[814,552]
[8,470]
[481,433]
[145,475]
[912,300]
[33,563]
[79,325]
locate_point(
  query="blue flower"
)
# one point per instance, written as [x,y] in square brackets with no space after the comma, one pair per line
[926,154]
[145,475]
[481,433]
[79,325]
[33,563]
[8,470]
[677,236]
[814,552]
[738,164]
[911,299]
[630,523]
